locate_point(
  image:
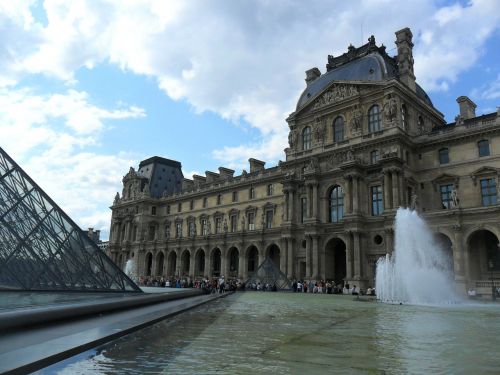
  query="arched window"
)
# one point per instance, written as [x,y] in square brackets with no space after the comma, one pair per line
[374,119]
[444,157]
[306,138]
[404,116]
[483,147]
[338,129]
[336,204]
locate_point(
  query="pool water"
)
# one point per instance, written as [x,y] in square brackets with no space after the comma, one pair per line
[286,333]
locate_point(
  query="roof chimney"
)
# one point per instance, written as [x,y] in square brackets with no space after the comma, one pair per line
[405,57]
[311,75]
[467,107]
[211,176]
[256,165]
[226,173]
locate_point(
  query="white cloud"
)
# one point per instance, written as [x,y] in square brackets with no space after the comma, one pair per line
[59,127]
[490,91]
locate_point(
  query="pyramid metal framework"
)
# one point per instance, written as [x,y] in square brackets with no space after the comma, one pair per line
[41,248]
[269,273]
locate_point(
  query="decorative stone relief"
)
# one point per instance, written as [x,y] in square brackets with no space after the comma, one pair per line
[390,109]
[356,120]
[336,94]
[319,130]
[292,139]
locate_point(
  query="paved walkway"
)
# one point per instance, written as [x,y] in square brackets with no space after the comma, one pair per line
[31,349]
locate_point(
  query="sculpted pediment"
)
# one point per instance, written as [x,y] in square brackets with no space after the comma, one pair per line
[484,172]
[335,93]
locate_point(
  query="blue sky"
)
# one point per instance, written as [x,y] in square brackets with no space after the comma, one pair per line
[90,88]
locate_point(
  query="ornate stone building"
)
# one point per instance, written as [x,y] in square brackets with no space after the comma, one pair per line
[364,140]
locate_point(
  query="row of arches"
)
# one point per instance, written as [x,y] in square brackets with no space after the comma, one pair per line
[214,263]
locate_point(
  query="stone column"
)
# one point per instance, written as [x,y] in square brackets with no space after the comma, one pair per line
[357,255]
[283,256]
[348,194]
[287,204]
[315,200]
[315,257]
[355,194]
[308,257]
[387,189]
[395,189]
[241,265]
[291,257]
[458,254]
[291,204]
[349,255]
[208,269]
[309,200]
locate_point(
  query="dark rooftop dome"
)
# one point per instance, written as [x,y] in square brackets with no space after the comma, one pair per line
[368,63]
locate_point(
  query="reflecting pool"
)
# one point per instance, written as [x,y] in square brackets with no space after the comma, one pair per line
[286,333]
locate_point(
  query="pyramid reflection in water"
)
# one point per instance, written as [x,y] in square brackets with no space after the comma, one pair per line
[41,248]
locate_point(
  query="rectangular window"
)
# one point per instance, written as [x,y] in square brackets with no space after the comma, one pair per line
[251,221]
[489,191]
[235,196]
[251,193]
[179,207]
[484,148]
[270,189]
[377,202]
[151,233]
[205,202]
[444,157]
[234,223]
[303,209]
[446,196]
[218,225]
[191,204]
[374,156]
[204,227]
[178,230]
[168,210]
[219,199]
[269,219]
[192,231]
[153,210]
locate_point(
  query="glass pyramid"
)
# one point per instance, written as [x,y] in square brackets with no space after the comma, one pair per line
[41,248]
[269,273]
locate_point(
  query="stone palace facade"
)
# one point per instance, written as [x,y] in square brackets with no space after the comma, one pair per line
[364,140]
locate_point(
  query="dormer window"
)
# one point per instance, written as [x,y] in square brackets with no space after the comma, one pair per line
[307,138]
[338,129]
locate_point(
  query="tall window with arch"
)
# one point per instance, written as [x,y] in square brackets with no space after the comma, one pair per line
[336,201]
[338,129]
[306,138]
[374,119]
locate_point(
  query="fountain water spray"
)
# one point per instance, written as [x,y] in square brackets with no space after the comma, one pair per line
[418,272]
[130,270]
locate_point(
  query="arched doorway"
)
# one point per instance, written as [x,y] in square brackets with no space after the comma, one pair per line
[172,263]
[484,255]
[234,262]
[199,264]
[446,246]
[335,260]
[159,263]
[185,262]
[149,264]
[252,259]
[216,262]
[273,253]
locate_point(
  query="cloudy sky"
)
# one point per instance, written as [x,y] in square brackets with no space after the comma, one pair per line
[90,88]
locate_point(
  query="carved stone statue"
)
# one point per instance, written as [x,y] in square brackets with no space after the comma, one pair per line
[243,222]
[390,108]
[454,198]
[292,139]
[356,117]
[225,226]
[414,201]
[209,227]
[319,130]
[117,198]
[263,219]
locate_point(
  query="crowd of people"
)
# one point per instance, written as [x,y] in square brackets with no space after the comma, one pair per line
[329,287]
[220,285]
